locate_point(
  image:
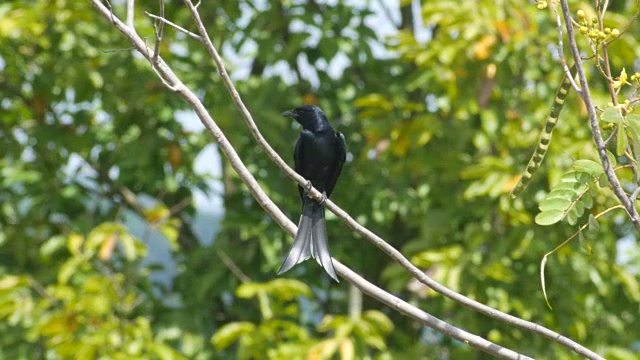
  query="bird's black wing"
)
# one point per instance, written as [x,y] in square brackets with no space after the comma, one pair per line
[297,161]
[341,155]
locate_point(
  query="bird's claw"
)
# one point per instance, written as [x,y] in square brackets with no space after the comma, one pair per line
[308,186]
[324,198]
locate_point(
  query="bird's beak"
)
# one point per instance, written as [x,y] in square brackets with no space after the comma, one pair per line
[288,113]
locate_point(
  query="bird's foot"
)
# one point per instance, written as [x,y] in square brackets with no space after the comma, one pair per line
[307,189]
[324,198]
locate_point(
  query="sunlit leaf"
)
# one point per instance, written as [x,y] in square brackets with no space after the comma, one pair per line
[588,166]
[557,203]
[230,333]
[380,320]
[546,218]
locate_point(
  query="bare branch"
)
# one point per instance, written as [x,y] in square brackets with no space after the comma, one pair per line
[158,27]
[130,13]
[171,80]
[354,225]
[629,206]
[165,73]
[423,317]
[181,29]
[175,84]
[561,52]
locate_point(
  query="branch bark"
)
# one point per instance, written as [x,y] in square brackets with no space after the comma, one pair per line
[174,83]
[629,206]
[393,253]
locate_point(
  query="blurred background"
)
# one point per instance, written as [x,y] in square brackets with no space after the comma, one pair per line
[125,235]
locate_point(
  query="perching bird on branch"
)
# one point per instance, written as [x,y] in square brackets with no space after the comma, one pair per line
[319,154]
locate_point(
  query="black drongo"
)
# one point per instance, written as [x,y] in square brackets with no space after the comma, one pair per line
[319,154]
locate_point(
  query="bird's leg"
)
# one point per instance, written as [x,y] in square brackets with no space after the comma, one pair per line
[324,198]
[307,189]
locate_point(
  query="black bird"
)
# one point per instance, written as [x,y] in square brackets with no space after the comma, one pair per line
[319,154]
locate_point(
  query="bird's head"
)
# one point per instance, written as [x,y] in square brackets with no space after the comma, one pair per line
[310,117]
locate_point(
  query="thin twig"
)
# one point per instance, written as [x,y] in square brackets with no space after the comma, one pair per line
[630,23]
[543,262]
[232,266]
[562,244]
[158,27]
[605,54]
[118,50]
[629,206]
[613,134]
[181,29]
[561,52]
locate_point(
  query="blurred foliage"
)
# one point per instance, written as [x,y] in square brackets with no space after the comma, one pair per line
[440,117]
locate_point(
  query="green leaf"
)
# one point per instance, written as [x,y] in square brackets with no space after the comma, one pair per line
[374,101]
[74,243]
[69,268]
[170,232]
[10,282]
[228,334]
[287,289]
[629,282]
[634,120]
[562,193]
[133,248]
[611,115]
[621,140]
[546,218]
[588,166]
[347,349]
[584,243]
[634,137]
[576,187]
[52,245]
[587,200]
[593,223]
[579,206]
[248,290]
[572,216]
[561,204]
[613,160]
[379,320]
[576,177]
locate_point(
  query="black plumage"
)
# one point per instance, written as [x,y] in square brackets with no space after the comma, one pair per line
[319,155]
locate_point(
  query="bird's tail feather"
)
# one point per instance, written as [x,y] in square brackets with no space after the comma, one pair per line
[310,241]
[319,246]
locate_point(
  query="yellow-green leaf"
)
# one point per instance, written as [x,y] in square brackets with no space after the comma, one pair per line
[551,217]
[228,334]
